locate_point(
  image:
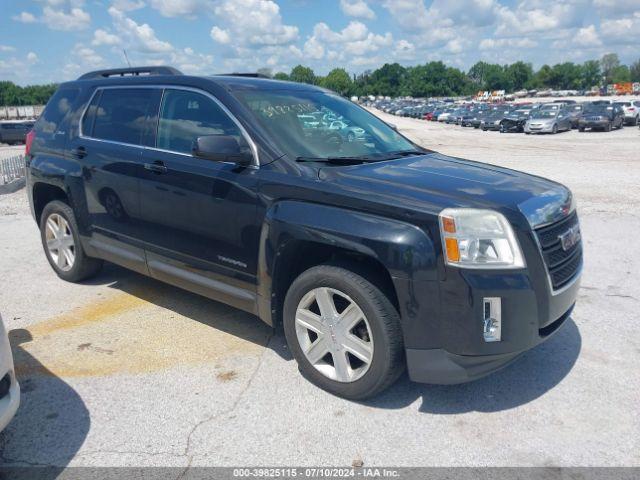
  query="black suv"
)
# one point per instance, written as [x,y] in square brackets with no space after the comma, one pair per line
[371,254]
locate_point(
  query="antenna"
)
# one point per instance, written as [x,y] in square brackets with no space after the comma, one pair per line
[126,57]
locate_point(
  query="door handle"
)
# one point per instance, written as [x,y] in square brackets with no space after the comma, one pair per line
[79,152]
[156,167]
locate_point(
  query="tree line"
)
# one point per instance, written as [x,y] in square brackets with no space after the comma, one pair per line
[433,79]
[15,95]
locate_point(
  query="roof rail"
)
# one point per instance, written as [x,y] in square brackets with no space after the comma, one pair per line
[250,75]
[130,72]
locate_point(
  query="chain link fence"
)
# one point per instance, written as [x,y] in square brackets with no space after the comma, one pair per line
[12,168]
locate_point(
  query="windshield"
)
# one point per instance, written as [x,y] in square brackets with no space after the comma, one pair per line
[311,124]
[600,109]
[545,114]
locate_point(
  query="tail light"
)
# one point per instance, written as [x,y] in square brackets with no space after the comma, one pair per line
[28,141]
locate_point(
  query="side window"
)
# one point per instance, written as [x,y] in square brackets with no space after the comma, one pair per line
[185,116]
[121,115]
[50,122]
[90,115]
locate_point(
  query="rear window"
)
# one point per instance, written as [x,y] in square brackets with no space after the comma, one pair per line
[50,123]
[121,115]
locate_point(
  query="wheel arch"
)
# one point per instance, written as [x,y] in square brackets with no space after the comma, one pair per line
[298,235]
[44,193]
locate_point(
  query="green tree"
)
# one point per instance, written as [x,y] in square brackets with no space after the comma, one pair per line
[281,76]
[339,81]
[620,74]
[591,74]
[609,63]
[389,80]
[302,74]
[634,71]
[518,75]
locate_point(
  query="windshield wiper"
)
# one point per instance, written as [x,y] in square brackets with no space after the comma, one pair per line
[353,160]
[336,160]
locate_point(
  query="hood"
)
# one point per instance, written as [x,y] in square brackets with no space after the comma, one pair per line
[434,181]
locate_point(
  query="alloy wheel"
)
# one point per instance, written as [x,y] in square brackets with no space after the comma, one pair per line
[60,243]
[334,334]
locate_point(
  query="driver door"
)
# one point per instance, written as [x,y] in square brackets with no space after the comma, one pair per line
[200,219]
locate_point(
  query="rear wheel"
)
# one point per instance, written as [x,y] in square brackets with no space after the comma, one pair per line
[343,332]
[61,242]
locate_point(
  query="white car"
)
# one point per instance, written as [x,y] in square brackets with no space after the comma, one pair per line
[9,388]
[631,111]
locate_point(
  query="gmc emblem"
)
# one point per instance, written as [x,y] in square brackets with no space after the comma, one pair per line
[569,238]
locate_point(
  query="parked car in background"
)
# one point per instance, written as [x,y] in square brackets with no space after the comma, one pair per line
[493,120]
[347,132]
[631,111]
[12,133]
[548,121]
[9,388]
[601,116]
[514,121]
[575,112]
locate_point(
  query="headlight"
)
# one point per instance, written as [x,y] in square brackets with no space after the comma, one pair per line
[474,238]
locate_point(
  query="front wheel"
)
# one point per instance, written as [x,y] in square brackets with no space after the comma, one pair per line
[554,130]
[344,332]
[61,242]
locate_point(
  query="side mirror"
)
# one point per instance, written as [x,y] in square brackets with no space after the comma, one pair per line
[222,148]
[393,126]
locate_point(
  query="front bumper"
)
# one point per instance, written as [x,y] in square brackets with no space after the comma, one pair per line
[593,124]
[438,366]
[540,128]
[9,402]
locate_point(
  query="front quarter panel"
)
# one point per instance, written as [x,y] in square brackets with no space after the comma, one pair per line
[406,251]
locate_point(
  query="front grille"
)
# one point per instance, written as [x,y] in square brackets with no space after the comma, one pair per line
[562,265]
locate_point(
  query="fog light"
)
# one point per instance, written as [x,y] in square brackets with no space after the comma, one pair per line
[492,319]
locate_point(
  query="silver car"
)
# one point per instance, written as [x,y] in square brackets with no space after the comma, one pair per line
[9,388]
[548,121]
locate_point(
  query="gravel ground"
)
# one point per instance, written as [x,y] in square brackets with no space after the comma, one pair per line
[124,370]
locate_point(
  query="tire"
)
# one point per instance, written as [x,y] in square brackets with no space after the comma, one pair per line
[82,267]
[380,321]
[581,129]
[554,130]
[608,127]
[635,122]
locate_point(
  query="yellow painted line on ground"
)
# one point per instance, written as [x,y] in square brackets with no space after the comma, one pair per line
[130,334]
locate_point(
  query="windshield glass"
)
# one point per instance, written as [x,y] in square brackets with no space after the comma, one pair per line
[313,124]
[545,114]
[601,109]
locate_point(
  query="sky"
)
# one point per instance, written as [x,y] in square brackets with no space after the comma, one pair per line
[44,41]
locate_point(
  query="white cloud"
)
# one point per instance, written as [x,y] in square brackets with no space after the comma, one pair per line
[502,43]
[81,60]
[220,35]
[177,8]
[25,17]
[102,37]
[623,30]
[539,16]
[74,19]
[587,37]
[127,5]
[254,22]
[357,8]
[7,48]
[32,58]
[140,37]
[354,40]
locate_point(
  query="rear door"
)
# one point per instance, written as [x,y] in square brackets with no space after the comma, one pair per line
[199,217]
[109,148]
